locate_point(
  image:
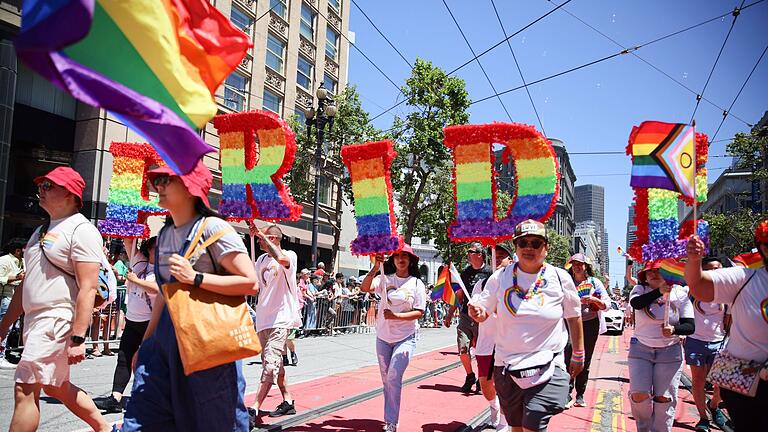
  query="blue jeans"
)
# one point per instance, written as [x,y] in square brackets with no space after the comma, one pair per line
[656,373]
[393,360]
[4,303]
[164,399]
[311,310]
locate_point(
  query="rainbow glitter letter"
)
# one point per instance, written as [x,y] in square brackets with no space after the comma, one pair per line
[536,179]
[251,171]
[369,169]
[128,203]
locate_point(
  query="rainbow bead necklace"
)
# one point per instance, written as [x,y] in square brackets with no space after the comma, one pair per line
[536,286]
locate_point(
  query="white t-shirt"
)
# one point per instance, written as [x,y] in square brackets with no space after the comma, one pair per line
[531,332]
[278,306]
[486,330]
[709,321]
[138,301]
[592,286]
[648,321]
[48,292]
[748,339]
[398,295]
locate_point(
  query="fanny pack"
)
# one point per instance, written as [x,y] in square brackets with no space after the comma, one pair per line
[532,376]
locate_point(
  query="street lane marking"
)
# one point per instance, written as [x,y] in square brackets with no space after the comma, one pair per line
[607,411]
[613,345]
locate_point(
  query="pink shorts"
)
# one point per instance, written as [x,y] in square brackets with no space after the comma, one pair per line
[484,366]
[44,360]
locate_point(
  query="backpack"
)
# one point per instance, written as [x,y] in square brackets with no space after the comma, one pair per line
[106,288]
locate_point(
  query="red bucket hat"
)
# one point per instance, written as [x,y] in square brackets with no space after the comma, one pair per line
[67,178]
[198,181]
[407,249]
[651,265]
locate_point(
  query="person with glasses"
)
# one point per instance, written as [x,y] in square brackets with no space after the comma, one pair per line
[163,396]
[594,298]
[403,300]
[745,292]
[63,259]
[535,299]
[277,317]
[466,332]
[655,349]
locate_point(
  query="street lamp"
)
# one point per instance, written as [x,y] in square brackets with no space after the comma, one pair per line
[326,111]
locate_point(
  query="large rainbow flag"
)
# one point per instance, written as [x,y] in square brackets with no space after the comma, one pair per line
[673,271]
[155,64]
[751,260]
[663,157]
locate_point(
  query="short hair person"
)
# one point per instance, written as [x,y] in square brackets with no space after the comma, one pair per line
[57,296]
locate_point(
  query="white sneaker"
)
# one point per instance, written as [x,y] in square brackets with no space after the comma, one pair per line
[495,415]
[390,427]
[5,364]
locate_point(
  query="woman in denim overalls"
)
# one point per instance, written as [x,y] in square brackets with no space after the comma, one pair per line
[163,398]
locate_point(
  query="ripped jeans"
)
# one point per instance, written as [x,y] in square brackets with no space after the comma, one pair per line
[655,374]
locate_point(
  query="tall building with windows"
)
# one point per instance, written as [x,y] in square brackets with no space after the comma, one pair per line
[631,227]
[563,219]
[590,207]
[297,44]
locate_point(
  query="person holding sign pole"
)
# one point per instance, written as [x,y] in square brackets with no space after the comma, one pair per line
[663,314]
[403,300]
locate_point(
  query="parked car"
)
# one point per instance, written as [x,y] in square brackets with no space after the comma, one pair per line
[614,318]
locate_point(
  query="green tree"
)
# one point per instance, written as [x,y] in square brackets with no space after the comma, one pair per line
[750,151]
[559,248]
[421,173]
[733,233]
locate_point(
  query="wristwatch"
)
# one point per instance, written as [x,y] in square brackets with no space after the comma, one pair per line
[198,280]
[77,340]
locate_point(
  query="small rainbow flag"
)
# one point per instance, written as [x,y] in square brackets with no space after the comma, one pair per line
[673,271]
[585,288]
[440,291]
[751,260]
[663,157]
[154,64]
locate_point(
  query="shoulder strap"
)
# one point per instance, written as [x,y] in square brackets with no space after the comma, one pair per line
[40,236]
[742,288]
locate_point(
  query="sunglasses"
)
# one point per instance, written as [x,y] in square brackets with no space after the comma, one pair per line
[161,180]
[45,185]
[533,244]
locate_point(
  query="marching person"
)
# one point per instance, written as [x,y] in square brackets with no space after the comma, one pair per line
[142,291]
[745,292]
[486,341]
[403,299]
[534,298]
[700,350]
[163,397]
[466,331]
[655,352]
[277,316]
[63,259]
[11,275]
[594,298]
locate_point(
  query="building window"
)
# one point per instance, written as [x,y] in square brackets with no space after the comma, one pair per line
[272,102]
[235,91]
[331,43]
[241,20]
[279,8]
[330,84]
[335,4]
[307,28]
[300,116]
[275,52]
[304,73]
[325,191]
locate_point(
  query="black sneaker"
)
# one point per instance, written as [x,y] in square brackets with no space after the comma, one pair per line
[286,362]
[477,386]
[702,426]
[294,359]
[109,405]
[579,402]
[253,418]
[284,408]
[468,383]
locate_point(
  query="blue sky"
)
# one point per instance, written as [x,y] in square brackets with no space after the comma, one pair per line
[592,109]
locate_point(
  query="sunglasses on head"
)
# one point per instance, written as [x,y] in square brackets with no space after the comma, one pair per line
[45,185]
[161,180]
[533,244]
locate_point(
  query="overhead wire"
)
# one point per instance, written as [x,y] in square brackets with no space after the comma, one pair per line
[736,12]
[725,112]
[472,50]
[514,57]
[654,67]
[608,57]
